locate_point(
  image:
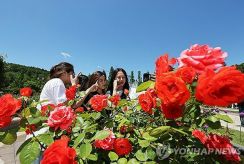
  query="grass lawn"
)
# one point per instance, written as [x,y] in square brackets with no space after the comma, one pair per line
[235,135]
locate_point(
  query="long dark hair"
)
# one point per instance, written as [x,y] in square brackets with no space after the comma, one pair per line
[83,82]
[111,82]
[57,70]
[94,77]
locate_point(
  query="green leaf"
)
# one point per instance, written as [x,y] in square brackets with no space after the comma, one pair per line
[9,138]
[81,161]
[71,102]
[159,130]
[100,135]
[34,111]
[85,115]
[86,124]
[96,115]
[32,120]
[225,118]
[213,125]
[141,156]
[85,150]
[113,156]
[23,145]
[143,143]
[149,162]
[150,153]
[29,153]
[179,131]
[133,161]
[138,107]
[80,120]
[47,139]
[92,157]
[76,129]
[147,136]
[212,119]
[26,112]
[122,161]
[144,86]
[78,140]
[122,102]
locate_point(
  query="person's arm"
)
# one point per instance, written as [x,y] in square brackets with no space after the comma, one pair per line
[74,81]
[93,88]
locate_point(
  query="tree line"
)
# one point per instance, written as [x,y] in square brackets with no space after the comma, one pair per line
[15,76]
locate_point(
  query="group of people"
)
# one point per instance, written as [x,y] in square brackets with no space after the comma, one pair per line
[62,76]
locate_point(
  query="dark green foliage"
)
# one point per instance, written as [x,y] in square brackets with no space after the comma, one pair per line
[18,76]
[139,78]
[241,67]
[110,73]
[132,78]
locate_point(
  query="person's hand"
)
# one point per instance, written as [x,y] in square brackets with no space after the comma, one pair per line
[74,80]
[115,84]
[93,88]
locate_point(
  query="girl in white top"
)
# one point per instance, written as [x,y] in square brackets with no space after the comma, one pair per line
[53,92]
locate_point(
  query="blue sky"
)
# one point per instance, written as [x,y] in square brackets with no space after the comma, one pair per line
[120,33]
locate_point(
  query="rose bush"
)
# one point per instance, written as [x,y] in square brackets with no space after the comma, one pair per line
[168,115]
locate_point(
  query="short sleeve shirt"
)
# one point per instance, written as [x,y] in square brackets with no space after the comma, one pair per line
[54,92]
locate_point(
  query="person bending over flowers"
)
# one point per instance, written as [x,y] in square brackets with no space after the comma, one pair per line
[54,91]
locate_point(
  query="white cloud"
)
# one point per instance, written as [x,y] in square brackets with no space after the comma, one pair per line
[65,54]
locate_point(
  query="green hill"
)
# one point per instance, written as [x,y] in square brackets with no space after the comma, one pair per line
[17,76]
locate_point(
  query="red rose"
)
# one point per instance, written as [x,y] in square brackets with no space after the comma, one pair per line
[107,143]
[187,74]
[27,91]
[200,135]
[122,146]
[79,110]
[126,129]
[5,121]
[45,109]
[172,111]
[202,57]
[99,102]
[163,65]
[71,92]
[222,144]
[30,128]
[8,107]
[61,117]
[123,129]
[222,88]
[147,101]
[59,152]
[172,90]
[115,99]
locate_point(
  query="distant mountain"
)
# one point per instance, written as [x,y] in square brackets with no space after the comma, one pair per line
[17,76]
